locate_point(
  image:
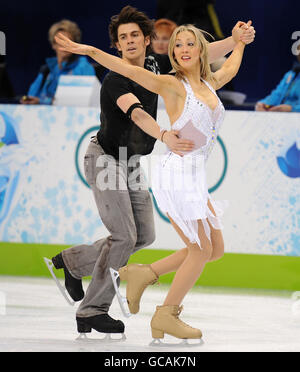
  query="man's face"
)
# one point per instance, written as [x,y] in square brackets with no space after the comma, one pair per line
[131,41]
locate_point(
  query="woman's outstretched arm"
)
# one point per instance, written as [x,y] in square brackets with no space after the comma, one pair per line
[230,68]
[152,82]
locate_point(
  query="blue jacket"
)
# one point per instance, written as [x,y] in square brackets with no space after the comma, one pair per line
[287,92]
[44,87]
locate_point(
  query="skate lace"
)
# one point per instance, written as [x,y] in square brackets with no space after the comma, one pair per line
[155,281]
[179,311]
[182,322]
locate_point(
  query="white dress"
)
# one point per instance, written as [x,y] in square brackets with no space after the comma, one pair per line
[179,183]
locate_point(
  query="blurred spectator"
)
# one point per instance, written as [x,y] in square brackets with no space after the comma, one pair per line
[43,89]
[163,30]
[200,13]
[286,96]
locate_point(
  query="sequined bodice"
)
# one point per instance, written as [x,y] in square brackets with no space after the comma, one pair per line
[206,121]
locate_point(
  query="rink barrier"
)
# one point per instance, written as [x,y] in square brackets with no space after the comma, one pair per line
[232,270]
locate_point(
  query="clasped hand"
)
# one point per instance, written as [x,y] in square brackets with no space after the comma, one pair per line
[176,144]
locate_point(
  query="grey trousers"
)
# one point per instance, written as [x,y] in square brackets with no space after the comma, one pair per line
[125,208]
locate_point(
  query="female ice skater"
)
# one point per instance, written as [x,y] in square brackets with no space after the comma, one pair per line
[193,108]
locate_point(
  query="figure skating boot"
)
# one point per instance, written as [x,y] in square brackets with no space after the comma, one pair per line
[73,286]
[102,323]
[138,277]
[166,321]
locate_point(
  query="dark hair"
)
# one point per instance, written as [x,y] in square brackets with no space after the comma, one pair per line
[131,15]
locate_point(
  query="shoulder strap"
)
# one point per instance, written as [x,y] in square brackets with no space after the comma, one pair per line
[209,86]
[187,86]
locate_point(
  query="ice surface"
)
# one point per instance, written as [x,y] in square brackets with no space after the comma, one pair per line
[37,318]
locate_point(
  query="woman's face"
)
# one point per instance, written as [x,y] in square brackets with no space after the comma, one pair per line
[161,43]
[186,50]
[61,55]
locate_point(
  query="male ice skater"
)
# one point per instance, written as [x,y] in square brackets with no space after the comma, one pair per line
[112,168]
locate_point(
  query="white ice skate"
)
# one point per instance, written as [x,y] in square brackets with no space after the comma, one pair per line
[122,300]
[61,288]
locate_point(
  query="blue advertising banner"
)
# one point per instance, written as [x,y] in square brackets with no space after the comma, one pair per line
[44,197]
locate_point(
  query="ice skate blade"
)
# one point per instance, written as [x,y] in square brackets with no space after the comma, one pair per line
[121,299]
[62,289]
[107,339]
[156,342]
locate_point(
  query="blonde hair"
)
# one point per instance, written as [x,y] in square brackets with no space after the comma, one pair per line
[67,26]
[201,42]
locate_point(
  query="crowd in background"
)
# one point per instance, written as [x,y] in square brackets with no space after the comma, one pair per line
[201,13]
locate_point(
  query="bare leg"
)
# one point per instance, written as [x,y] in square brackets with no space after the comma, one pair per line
[169,264]
[191,267]
[216,239]
[172,263]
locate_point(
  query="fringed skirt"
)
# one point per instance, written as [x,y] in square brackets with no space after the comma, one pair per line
[180,189]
